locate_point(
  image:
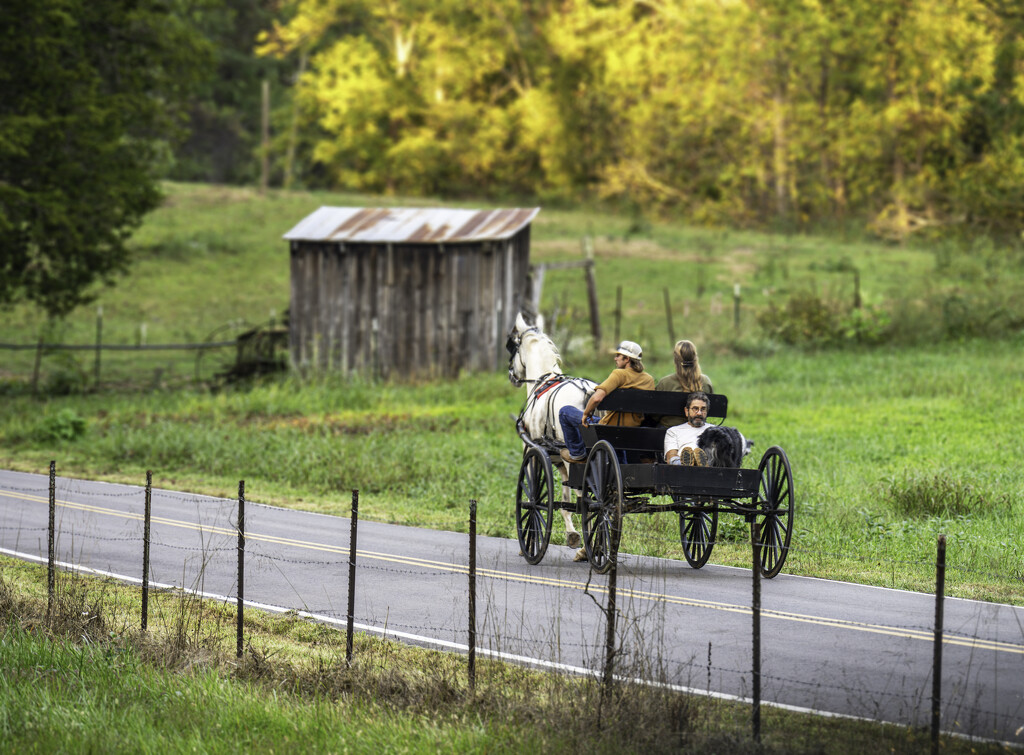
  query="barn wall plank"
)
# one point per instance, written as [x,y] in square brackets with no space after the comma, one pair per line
[295,330]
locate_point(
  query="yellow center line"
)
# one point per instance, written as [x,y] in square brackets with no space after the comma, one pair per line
[541,580]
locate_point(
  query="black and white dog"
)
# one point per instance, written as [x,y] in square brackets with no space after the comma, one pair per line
[724,446]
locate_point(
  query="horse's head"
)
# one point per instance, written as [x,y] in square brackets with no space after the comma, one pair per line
[516,365]
[530,352]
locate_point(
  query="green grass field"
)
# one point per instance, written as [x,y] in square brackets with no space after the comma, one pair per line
[896,434]
[889,449]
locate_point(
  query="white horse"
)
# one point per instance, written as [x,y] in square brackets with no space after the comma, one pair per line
[535,362]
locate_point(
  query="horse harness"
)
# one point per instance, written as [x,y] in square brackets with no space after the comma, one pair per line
[548,382]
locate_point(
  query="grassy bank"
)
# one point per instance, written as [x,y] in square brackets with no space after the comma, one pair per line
[84,679]
[889,448]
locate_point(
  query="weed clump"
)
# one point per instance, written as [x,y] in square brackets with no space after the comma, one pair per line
[939,495]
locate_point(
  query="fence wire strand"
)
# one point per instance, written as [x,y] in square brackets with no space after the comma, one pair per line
[642,599]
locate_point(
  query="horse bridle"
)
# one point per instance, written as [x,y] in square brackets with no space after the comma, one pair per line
[512,347]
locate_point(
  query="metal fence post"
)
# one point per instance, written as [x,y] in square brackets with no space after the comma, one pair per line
[51,560]
[352,575]
[756,611]
[940,595]
[241,566]
[609,643]
[148,518]
[472,595]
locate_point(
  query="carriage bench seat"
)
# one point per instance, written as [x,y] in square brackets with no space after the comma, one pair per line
[652,404]
[645,445]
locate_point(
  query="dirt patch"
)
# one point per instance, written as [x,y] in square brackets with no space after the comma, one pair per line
[357,425]
[740,262]
[208,196]
[611,249]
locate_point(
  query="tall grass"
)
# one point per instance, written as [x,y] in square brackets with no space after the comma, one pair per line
[85,681]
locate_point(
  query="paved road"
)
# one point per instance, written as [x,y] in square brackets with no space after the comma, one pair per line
[829,647]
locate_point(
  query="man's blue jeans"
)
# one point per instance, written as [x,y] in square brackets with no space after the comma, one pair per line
[571,420]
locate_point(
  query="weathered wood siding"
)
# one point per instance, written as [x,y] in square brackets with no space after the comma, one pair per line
[395,310]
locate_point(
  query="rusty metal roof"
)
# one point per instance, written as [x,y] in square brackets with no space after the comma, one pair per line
[410,225]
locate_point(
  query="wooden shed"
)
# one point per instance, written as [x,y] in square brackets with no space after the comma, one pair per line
[406,292]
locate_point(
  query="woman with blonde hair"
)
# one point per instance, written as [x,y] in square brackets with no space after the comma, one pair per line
[686,379]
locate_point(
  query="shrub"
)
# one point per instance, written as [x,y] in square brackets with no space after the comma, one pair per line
[804,319]
[66,424]
[808,319]
[67,377]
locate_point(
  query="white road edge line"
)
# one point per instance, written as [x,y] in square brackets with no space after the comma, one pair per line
[511,658]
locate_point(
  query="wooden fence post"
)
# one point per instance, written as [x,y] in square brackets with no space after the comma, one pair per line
[264,136]
[736,308]
[618,312]
[668,317]
[36,365]
[99,343]
[595,318]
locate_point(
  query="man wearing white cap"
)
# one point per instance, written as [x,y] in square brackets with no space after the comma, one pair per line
[628,373]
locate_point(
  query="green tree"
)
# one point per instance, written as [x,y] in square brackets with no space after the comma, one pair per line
[411,95]
[908,113]
[91,94]
[225,108]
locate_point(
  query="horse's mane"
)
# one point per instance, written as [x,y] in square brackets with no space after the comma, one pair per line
[545,340]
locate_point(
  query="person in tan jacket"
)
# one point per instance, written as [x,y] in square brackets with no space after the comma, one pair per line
[628,373]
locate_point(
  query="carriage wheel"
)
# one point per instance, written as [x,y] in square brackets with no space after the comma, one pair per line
[697,531]
[534,505]
[600,506]
[774,515]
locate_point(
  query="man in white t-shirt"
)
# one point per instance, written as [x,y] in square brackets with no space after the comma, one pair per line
[681,440]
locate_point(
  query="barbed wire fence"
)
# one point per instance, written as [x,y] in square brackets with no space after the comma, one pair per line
[633,614]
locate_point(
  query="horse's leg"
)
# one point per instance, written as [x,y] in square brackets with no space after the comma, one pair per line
[572,537]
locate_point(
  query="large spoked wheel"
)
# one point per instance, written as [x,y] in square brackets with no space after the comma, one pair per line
[774,516]
[697,531]
[600,506]
[535,499]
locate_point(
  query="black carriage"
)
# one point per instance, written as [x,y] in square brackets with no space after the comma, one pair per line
[607,489]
